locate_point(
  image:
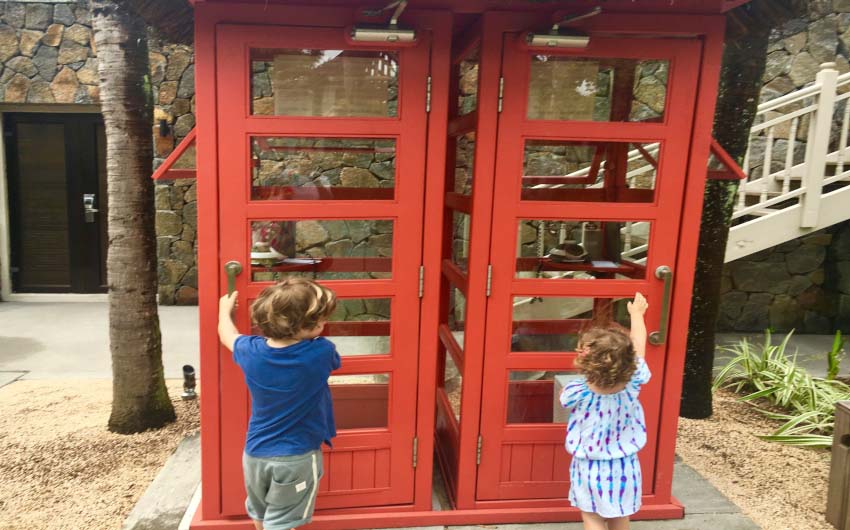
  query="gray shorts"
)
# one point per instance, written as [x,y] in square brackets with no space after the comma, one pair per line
[282,489]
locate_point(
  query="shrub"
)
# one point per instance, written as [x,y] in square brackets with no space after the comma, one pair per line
[765,371]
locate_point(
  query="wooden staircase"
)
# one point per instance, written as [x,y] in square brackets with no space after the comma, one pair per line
[798,167]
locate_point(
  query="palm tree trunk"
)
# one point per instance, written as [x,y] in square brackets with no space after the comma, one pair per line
[140,399]
[744,59]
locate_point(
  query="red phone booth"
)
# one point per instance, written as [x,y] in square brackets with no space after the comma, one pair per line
[478,181]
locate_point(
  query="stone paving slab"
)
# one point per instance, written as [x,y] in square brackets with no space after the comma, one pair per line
[164,503]
[10,377]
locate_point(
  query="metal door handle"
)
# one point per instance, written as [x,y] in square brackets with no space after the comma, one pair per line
[232,269]
[663,273]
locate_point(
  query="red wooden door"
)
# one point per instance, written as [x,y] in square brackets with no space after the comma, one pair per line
[592,153]
[321,156]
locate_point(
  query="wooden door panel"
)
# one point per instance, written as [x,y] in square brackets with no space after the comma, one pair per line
[53,160]
[337,226]
[522,450]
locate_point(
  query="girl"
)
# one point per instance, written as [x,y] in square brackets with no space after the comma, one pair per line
[606,428]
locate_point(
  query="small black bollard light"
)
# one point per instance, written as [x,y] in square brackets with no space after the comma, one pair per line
[188,383]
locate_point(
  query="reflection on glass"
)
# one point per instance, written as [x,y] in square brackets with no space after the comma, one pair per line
[321,249]
[360,326]
[460,239]
[589,171]
[457,314]
[324,83]
[533,396]
[587,89]
[360,401]
[467,78]
[582,250]
[322,168]
[554,324]
[464,159]
[453,385]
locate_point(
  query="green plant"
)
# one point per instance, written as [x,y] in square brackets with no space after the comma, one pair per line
[834,356]
[807,404]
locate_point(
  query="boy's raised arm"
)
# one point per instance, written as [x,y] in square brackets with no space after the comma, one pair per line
[637,309]
[227,332]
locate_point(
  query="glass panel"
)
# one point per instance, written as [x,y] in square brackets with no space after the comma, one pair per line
[467,78]
[460,239]
[589,171]
[533,396]
[360,401]
[464,159]
[360,326]
[453,384]
[457,314]
[321,249]
[554,324]
[582,250]
[567,88]
[324,83]
[322,168]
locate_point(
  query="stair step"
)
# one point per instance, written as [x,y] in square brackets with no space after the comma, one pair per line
[762,212]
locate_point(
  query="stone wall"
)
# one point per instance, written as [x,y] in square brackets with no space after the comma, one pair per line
[796,285]
[47,56]
[173,80]
[803,284]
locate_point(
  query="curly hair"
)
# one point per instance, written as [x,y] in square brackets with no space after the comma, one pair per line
[293,305]
[606,356]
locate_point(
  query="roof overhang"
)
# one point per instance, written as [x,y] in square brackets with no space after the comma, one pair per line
[479,6]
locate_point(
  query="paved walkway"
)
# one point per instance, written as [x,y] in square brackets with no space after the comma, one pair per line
[71,340]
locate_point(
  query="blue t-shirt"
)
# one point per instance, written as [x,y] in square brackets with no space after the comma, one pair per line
[291,408]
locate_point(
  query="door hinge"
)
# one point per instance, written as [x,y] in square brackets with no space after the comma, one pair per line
[421,281]
[428,95]
[489,278]
[415,451]
[501,92]
[478,452]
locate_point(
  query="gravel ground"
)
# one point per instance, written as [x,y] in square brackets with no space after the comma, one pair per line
[779,487]
[61,469]
[59,466]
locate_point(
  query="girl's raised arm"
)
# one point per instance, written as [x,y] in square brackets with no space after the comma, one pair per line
[637,309]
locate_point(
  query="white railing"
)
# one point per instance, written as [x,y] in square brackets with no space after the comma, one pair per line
[804,124]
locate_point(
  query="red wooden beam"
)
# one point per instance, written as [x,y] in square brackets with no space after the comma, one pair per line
[731,171]
[728,5]
[164,172]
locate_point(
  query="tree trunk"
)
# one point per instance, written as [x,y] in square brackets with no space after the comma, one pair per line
[140,399]
[744,59]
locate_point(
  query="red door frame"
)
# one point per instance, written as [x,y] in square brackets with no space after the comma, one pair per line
[664,211]
[208,16]
[352,451]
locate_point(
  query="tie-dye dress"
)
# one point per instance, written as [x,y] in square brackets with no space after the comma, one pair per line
[604,434]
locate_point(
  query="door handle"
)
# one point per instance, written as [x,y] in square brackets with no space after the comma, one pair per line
[232,269]
[660,337]
[88,207]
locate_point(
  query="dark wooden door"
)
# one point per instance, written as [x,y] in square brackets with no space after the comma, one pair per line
[57,202]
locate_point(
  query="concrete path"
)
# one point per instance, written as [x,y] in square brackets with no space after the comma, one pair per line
[71,340]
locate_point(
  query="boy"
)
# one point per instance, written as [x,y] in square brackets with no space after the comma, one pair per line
[287,372]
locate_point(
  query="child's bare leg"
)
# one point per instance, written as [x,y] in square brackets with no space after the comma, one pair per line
[618,523]
[593,521]
[258,524]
